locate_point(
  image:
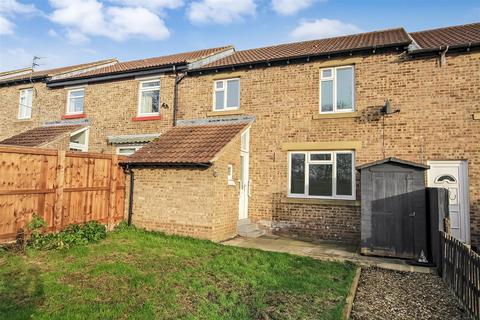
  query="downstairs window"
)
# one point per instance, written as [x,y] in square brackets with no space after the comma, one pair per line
[322,174]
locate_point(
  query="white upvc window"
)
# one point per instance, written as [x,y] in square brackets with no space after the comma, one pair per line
[25,104]
[226,94]
[75,101]
[79,140]
[337,89]
[127,150]
[149,98]
[321,174]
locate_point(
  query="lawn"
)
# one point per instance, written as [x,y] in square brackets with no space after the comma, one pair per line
[136,274]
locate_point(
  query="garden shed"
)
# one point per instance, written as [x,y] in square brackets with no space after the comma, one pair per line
[393,208]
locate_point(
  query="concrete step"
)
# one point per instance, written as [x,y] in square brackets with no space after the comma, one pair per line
[243,221]
[250,230]
[252,234]
[247,227]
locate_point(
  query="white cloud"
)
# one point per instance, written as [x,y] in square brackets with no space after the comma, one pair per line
[290,7]
[220,11]
[323,28]
[15,58]
[151,4]
[11,8]
[86,18]
[52,33]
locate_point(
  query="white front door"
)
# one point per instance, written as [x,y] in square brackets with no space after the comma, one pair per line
[452,175]
[244,177]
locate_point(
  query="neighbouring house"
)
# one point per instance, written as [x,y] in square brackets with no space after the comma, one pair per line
[123,104]
[311,113]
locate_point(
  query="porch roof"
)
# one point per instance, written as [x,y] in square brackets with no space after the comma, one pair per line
[187,145]
[40,135]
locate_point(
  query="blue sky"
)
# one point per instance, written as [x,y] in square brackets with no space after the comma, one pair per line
[66,32]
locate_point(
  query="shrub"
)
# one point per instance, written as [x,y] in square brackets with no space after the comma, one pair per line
[74,234]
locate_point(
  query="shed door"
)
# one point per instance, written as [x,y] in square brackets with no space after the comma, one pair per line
[393,213]
[452,175]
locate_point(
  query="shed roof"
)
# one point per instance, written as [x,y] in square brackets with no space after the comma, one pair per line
[187,145]
[394,160]
[39,136]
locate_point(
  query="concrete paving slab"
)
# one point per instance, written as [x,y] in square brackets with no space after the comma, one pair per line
[330,251]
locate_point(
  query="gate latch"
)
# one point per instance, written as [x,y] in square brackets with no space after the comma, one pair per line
[412,214]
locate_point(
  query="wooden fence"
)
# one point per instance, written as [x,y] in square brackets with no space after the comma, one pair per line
[61,187]
[461,272]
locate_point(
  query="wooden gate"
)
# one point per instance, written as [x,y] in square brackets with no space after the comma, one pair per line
[61,187]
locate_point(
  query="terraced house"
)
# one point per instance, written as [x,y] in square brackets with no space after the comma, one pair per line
[269,139]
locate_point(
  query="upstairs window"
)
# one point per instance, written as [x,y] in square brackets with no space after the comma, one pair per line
[149,98]
[337,90]
[322,174]
[226,95]
[25,104]
[75,100]
[127,150]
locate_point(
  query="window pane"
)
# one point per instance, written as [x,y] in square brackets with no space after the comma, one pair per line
[150,101]
[327,73]
[327,96]
[344,174]
[74,94]
[76,104]
[126,151]
[344,88]
[297,174]
[321,157]
[219,84]
[233,88]
[150,84]
[219,96]
[320,180]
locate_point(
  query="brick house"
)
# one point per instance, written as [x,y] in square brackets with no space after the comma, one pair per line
[312,112]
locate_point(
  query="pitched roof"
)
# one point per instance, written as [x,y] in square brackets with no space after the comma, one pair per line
[163,61]
[449,36]
[197,144]
[56,71]
[38,136]
[376,39]
[394,160]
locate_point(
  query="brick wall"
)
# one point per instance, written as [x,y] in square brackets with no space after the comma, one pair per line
[435,123]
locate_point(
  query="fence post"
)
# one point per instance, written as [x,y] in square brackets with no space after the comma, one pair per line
[113,191]
[59,183]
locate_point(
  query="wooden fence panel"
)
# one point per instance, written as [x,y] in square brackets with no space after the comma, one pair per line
[61,187]
[461,272]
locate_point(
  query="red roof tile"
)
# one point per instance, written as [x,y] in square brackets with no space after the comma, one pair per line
[162,61]
[449,36]
[366,40]
[197,144]
[56,71]
[38,136]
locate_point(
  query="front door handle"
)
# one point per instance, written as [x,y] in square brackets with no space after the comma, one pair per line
[412,214]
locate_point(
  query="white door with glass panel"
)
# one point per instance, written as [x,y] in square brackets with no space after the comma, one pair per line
[452,175]
[244,177]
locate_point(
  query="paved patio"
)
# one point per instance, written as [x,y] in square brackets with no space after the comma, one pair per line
[333,251]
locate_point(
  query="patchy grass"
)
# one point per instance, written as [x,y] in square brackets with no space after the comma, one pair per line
[136,274]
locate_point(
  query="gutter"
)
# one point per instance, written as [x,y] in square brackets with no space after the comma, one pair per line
[466,46]
[306,56]
[15,81]
[112,76]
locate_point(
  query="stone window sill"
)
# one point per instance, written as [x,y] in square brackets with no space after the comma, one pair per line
[225,113]
[23,120]
[334,202]
[476,116]
[74,116]
[336,115]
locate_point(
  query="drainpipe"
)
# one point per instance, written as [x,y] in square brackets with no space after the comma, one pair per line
[178,79]
[130,195]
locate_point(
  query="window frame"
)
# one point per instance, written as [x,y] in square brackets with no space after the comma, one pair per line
[140,90]
[225,95]
[333,78]
[22,107]
[333,162]
[70,90]
[136,147]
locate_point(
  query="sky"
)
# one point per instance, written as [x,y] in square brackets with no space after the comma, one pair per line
[68,32]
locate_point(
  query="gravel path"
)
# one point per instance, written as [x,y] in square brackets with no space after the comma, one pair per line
[384,294]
